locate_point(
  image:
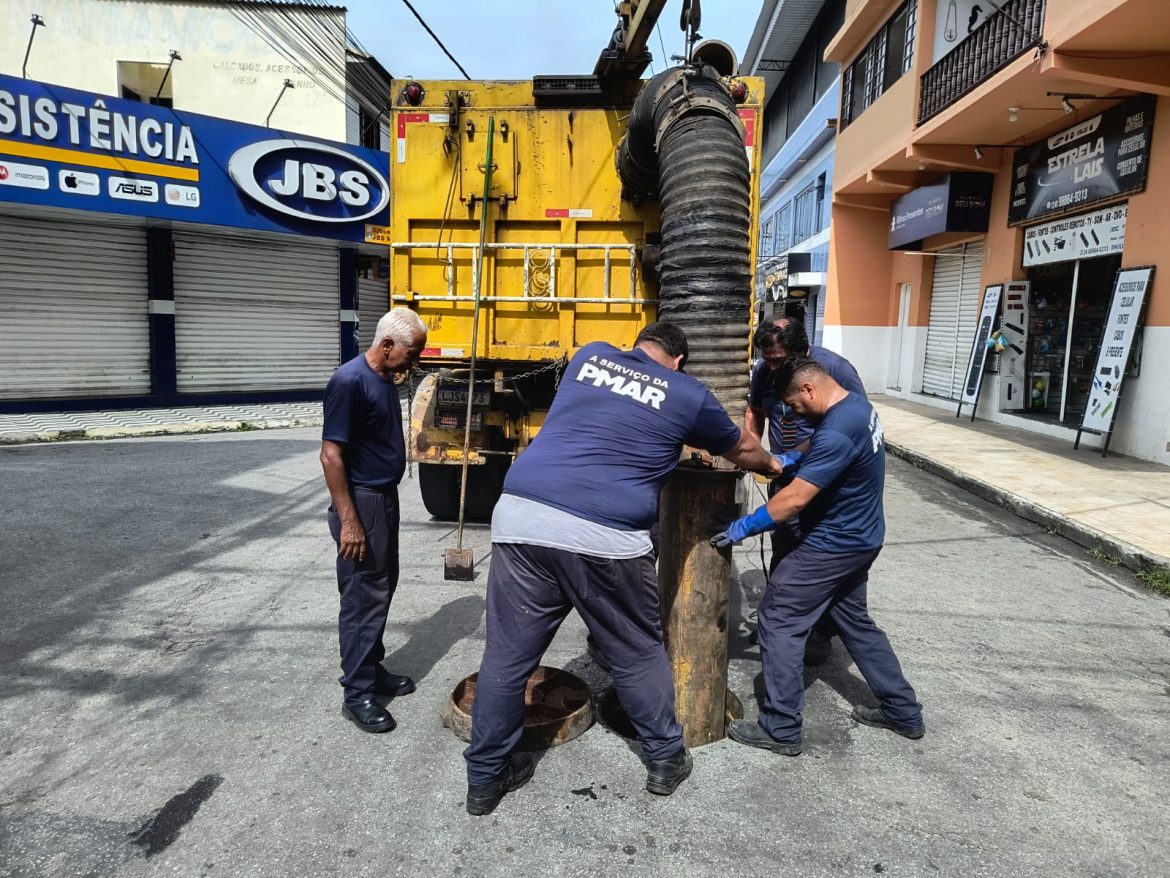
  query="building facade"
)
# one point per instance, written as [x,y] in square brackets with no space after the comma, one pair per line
[184,202]
[1016,149]
[802,96]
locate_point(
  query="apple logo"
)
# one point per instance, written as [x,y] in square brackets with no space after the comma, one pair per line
[70,182]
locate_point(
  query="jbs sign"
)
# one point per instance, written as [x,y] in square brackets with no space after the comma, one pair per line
[309,180]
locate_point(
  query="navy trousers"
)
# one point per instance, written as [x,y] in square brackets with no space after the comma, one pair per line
[366,588]
[806,584]
[530,590]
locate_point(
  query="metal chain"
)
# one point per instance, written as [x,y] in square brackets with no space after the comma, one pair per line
[410,421]
[549,367]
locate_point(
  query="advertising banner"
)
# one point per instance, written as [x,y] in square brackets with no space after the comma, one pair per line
[1099,233]
[60,147]
[979,348]
[1102,157]
[1129,295]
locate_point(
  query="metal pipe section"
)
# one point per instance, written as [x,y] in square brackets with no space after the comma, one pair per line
[685,147]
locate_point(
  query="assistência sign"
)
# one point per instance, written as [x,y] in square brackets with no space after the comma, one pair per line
[65,148]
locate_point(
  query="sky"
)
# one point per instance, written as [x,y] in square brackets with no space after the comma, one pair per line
[519,39]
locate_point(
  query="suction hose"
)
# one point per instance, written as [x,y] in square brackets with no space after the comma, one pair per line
[685,147]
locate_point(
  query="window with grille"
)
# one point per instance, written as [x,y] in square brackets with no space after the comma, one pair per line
[880,64]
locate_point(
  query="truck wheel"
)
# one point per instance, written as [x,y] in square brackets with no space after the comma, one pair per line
[439,485]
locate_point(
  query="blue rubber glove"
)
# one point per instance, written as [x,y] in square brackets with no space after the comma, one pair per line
[789,460]
[742,528]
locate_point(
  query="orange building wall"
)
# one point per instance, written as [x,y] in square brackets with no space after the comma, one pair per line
[1147,228]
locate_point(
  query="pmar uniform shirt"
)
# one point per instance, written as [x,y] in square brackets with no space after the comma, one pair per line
[613,434]
[786,429]
[847,461]
[363,414]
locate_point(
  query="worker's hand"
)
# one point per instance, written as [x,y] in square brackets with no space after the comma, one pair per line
[742,528]
[789,460]
[352,543]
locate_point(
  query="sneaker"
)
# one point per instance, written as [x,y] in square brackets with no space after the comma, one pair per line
[750,733]
[483,798]
[872,716]
[664,775]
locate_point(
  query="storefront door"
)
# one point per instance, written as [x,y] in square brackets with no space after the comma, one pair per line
[1066,315]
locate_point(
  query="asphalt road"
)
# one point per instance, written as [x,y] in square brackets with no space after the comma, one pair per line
[167,637]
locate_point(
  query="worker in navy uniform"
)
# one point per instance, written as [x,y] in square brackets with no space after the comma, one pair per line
[363,455]
[837,494]
[572,531]
[777,342]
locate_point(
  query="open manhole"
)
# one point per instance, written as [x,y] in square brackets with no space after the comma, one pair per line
[557,708]
[613,715]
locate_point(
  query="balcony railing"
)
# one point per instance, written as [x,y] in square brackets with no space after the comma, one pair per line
[1005,35]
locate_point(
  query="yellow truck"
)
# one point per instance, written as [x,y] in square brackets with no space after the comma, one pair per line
[578,244]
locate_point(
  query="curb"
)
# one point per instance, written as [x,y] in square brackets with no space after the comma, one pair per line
[1130,555]
[233,426]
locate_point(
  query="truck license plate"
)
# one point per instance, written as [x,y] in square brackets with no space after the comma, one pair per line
[458,398]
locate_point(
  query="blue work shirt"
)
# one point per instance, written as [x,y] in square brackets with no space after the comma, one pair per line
[847,461]
[786,429]
[363,415]
[614,433]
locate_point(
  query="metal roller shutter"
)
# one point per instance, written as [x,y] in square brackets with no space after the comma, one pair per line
[954,309]
[73,310]
[254,315]
[373,302]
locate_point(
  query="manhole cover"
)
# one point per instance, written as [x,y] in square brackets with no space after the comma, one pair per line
[557,708]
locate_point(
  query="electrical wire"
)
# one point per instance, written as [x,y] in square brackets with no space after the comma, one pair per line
[434,37]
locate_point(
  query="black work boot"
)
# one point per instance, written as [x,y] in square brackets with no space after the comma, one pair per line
[483,798]
[872,716]
[393,685]
[750,733]
[369,716]
[664,775]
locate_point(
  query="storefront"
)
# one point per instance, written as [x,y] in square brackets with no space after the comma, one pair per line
[1071,262]
[152,256]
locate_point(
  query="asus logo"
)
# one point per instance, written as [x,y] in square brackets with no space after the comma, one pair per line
[134,189]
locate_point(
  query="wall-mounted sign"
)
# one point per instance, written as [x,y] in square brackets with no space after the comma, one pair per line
[955,20]
[1079,237]
[60,147]
[1129,295]
[1102,157]
[960,202]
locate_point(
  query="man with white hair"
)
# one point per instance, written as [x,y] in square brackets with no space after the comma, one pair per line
[363,455]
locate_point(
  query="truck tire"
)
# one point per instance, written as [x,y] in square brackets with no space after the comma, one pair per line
[439,485]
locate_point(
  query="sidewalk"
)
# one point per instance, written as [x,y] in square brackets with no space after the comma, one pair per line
[54,426]
[1116,504]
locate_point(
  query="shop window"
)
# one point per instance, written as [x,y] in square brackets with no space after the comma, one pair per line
[138,81]
[766,236]
[880,64]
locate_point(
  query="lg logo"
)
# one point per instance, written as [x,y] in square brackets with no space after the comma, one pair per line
[310,181]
